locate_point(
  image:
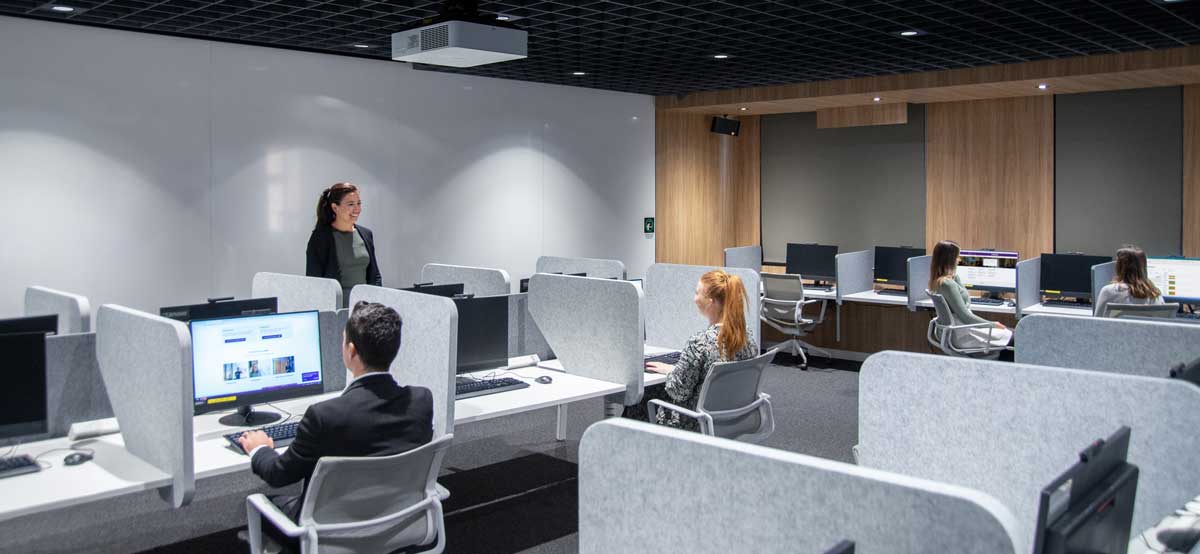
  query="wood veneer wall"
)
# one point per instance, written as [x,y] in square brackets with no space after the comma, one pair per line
[1191,171]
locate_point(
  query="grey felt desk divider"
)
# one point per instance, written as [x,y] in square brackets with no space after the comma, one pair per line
[1148,348]
[649,488]
[855,272]
[1102,274]
[593,267]
[524,336]
[1029,283]
[480,281]
[74,311]
[74,387]
[670,309]
[333,371]
[594,326]
[1009,429]
[745,257]
[428,345]
[297,293]
[918,280]
[146,363]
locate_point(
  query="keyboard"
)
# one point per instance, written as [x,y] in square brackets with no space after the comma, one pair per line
[670,358]
[821,289]
[987,301]
[469,389]
[282,434]
[1184,519]
[18,465]
[1066,304]
[1189,316]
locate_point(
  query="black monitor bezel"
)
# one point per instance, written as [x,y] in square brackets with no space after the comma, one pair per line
[250,399]
[987,288]
[34,324]
[447,290]
[1097,463]
[916,252]
[270,303]
[1062,293]
[792,263]
[27,429]
[489,363]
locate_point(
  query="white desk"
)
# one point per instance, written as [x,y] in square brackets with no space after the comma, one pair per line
[814,294]
[983,308]
[1057,310]
[872,297]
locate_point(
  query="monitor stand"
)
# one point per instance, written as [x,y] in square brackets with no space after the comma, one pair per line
[245,416]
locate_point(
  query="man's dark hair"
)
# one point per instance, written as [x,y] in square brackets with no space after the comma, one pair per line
[375,331]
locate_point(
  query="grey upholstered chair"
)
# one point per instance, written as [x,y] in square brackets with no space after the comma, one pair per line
[783,309]
[369,504]
[1141,310]
[943,333]
[731,402]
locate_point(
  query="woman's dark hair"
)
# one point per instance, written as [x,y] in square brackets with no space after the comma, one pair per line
[374,329]
[332,195]
[942,263]
[1131,270]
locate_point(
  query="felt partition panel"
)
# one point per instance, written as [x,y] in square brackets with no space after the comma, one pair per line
[73,311]
[746,257]
[1009,429]
[297,293]
[1029,283]
[593,325]
[670,309]
[428,345]
[594,267]
[146,363]
[1102,274]
[480,281]
[74,387]
[333,371]
[855,272]
[524,336]
[738,497]
[1128,346]
[918,280]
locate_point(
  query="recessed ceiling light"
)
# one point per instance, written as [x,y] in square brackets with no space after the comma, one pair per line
[877,99]
[62,9]
[502,18]
[721,56]
[743,108]
[1043,86]
[909,33]
[362,45]
[578,73]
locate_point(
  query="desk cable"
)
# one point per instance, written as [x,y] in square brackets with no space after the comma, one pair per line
[46,465]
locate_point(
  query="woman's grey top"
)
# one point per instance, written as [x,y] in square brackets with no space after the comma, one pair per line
[959,300]
[698,356]
[352,258]
[1118,293]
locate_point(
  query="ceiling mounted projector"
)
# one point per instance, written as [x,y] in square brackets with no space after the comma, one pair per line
[460,37]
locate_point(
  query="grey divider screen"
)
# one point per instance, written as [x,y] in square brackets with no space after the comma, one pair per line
[524,336]
[480,281]
[738,497]
[1008,429]
[1102,274]
[297,293]
[1029,283]
[1118,159]
[74,388]
[146,363]
[594,267]
[428,345]
[670,309]
[333,371]
[918,280]
[593,325]
[73,311]
[748,257]
[1131,347]
[855,272]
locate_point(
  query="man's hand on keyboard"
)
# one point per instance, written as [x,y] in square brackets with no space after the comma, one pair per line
[254,439]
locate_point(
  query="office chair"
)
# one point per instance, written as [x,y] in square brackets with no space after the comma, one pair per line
[783,309]
[368,504]
[947,334]
[731,403]
[1166,311]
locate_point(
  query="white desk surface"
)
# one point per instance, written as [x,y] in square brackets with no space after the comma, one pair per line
[814,294]
[872,297]
[1057,310]
[647,377]
[985,308]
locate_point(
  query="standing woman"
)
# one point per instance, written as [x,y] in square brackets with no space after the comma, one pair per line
[339,248]
[943,280]
[1130,284]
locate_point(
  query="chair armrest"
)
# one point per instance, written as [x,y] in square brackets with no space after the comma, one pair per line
[259,503]
[988,324]
[739,411]
[427,503]
[654,405]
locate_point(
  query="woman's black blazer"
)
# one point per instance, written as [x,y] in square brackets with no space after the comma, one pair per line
[322,255]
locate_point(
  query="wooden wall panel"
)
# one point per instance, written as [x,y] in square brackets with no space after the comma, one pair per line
[1191,171]
[989,174]
[862,116]
[746,184]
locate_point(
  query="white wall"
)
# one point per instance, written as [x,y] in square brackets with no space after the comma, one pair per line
[146,170]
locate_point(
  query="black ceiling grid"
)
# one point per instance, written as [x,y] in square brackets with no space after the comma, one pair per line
[667,47]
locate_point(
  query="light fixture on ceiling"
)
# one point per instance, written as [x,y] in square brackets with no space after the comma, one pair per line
[578,73]
[911,33]
[877,99]
[62,9]
[502,17]
[362,45]
[1043,86]
[743,108]
[720,56]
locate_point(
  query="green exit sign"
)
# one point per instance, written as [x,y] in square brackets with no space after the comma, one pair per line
[648,225]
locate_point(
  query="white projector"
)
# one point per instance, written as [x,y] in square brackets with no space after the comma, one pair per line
[459,44]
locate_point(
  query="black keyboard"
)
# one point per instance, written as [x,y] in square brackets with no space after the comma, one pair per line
[282,434]
[987,301]
[18,465]
[1189,316]
[469,389]
[670,358]
[1067,304]
[822,289]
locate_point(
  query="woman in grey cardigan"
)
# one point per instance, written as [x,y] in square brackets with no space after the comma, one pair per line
[1130,284]
[944,280]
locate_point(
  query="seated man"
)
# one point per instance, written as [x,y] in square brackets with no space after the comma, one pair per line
[374,416]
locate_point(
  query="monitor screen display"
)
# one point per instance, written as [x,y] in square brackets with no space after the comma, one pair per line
[482,332]
[989,270]
[1177,278]
[812,261]
[44,324]
[23,396]
[891,263]
[228,308]
[253,359]
[1069,274]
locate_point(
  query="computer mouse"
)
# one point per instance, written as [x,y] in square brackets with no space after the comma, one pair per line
[545,379]
[76,458]
[1179,540]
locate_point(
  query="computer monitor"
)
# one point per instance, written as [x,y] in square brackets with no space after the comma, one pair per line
[891,263]
[482,333]
[1177,278]
[1069,275]
[23,410]
[1089,508]
[448,290]
[44,324]
[524,283]
[812,261]
[216,308]
[843,547]
[988,270]
[245,360]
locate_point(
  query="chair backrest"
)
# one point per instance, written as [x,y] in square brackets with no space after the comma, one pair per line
[944,316]
[783,286]
[1141,310]
[733,385]
[348,490]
